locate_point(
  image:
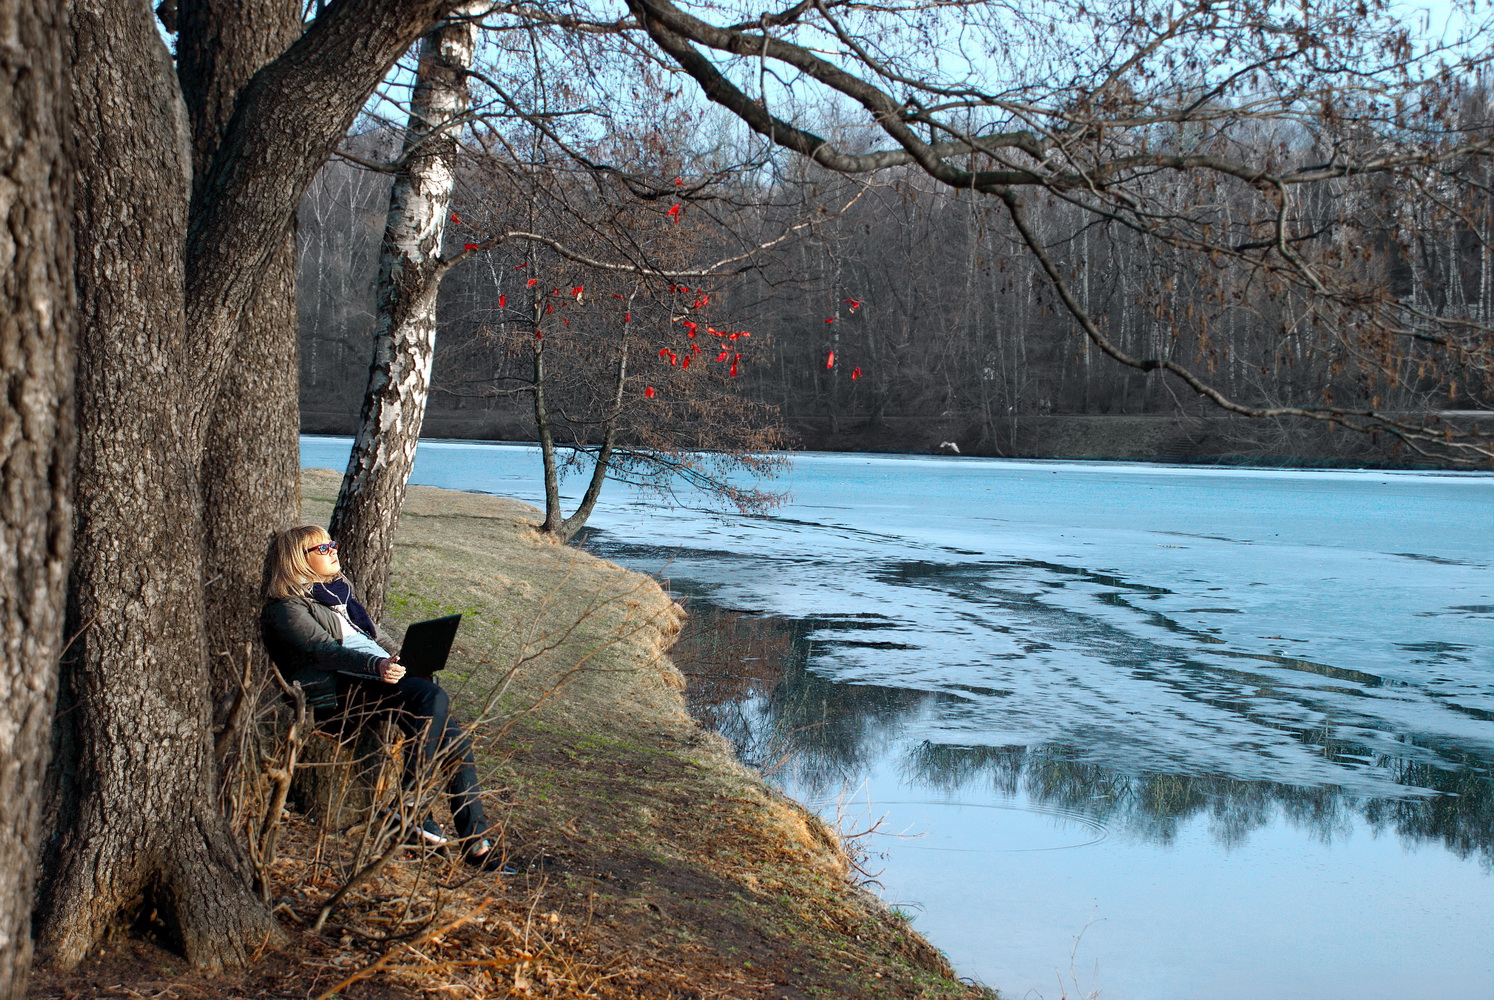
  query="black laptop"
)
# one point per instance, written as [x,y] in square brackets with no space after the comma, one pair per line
[428,644]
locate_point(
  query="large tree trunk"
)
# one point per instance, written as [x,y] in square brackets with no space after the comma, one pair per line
[410,273]
[162,290]
[36,342]
[137,801]
[250,463]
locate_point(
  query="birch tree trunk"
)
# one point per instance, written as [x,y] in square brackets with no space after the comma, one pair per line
[36,441]
[410,273]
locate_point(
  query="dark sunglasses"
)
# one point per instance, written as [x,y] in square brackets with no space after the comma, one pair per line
[323,548]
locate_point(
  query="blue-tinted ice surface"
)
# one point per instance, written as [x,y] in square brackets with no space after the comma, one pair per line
[1270,692]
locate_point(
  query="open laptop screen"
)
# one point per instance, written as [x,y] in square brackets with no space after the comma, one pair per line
[428,644]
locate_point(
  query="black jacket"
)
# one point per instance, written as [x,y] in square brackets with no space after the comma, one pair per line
[301,637]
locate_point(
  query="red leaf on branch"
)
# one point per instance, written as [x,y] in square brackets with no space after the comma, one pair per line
[855,374]
[533,282]
[830,319]
[627,317]
[695,348]
[679,182]
[663,352]
[686,363]
[502,301]
[549,308]
[853,303]
[566,322]
[576,292]
[520,267]
[692,327]
[674,213]
[723,355]
[538,335]
[733,372]
[455,219]
[830,361]
[471,246]
[617,295]
[649,392]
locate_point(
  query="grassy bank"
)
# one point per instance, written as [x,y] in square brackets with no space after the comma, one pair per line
[689,875]
[652,864]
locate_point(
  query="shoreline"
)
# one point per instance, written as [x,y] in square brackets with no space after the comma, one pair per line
[685,861]
[1204,439]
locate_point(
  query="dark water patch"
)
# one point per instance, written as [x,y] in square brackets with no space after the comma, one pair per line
[1439,652]
[1158,619]
[854,623]
[1311,667]
[603,545]
[1212,538]
[863,644]
[1483,715]
[1439,560]
[984,692]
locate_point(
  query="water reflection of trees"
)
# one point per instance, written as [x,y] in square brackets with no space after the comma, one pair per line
[750,680]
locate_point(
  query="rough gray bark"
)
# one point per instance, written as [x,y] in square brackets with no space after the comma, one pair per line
[138,810]
[250,462]
[162,289]
[410,273]
[36,439]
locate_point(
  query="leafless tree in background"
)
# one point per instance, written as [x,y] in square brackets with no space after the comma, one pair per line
[1269,144]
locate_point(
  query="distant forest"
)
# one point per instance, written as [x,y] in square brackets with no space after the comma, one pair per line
[909,316]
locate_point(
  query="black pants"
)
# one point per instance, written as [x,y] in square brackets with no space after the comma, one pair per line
[422,710]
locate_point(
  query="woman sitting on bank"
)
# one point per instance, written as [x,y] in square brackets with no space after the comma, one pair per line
[318,633]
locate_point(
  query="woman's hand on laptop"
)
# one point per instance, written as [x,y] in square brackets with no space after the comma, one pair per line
[390,670]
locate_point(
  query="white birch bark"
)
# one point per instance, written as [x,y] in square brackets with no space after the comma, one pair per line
[410,272]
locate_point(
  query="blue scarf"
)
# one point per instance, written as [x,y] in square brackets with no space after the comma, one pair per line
[339,595]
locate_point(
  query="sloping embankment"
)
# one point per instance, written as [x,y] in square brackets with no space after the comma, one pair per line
[669,869]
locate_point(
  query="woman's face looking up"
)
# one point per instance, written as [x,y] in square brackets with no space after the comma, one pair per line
[322,558]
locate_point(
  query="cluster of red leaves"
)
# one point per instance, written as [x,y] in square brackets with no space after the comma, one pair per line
[681,359]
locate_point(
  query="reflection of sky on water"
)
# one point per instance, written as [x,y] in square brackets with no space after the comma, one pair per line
[1270,691]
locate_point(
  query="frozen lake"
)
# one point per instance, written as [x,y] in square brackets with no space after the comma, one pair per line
[1156,732]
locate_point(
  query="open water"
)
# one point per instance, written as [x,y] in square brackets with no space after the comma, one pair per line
[1143,731]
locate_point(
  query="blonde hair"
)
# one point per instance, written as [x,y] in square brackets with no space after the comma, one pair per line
[288,574]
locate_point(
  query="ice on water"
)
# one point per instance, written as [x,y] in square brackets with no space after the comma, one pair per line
[1324,636]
